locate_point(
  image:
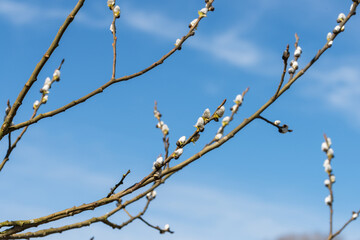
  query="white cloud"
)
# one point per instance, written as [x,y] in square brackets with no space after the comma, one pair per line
[340,90]
[230,47]
[226,46]
[153,23]
[26,14]
[93,22]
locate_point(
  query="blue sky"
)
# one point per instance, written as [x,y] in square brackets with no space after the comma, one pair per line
[258,180]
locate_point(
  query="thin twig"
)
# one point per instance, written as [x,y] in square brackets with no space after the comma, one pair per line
[331,210]
[156,227]
[266,120]
[231,116]
[114,48]
[165,139]
[296,44]
[112,190]
[132,218]
[344,226]
[285,58]
[127,213]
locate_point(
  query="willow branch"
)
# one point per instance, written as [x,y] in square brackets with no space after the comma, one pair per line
[255,115]
[114,48]
[109,83]
[233,112]
[331,209]
[165,132]
[9,118]
[49,231]
[13,146]
[345,225]
[155,227]
[11,233]
[285,58]
[112,190]
[296,44]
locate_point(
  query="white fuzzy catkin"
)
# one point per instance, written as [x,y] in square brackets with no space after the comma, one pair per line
[206,114]
[116,11]
[200,123]
[328,200]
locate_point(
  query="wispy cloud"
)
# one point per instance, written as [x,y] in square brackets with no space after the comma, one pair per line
[27,14]
[153,23]
[226,46]
[230,47]
[339,88]
[230,44]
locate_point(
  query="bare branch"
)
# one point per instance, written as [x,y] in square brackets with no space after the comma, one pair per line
[285,58]
[19,226]
[132,218]
[112,190]
[347,223]
[114,47]
[282,129]
[156,227]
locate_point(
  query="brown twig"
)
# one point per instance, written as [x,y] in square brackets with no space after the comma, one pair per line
[330,204]
[114,48]
[156,227]
[13,146]
[331,212]
[231,116]
[6,158]
[296,44]
[285,58]
[345,225]
[132,218]
[112,190]
[280,128]
[159,125]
